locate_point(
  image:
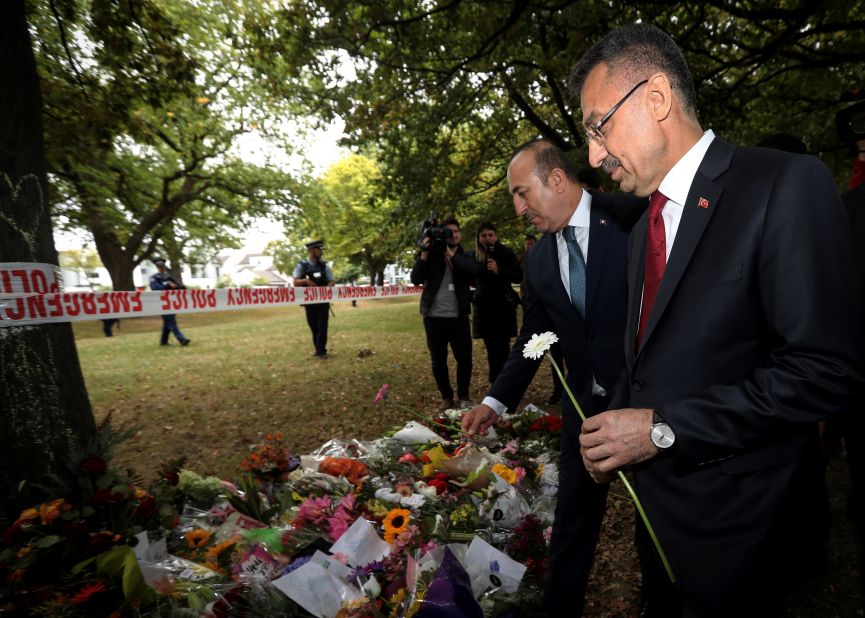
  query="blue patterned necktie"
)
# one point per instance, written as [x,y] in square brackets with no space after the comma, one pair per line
[576,270]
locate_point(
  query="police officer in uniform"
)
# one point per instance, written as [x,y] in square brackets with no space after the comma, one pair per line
[163,280]
[315,272]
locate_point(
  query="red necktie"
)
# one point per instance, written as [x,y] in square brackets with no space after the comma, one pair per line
[656,259]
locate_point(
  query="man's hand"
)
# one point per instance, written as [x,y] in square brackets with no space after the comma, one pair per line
[492,266]
[614,439]
[478,421]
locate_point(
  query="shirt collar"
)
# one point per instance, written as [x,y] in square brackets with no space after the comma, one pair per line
[677,183]
[581,217]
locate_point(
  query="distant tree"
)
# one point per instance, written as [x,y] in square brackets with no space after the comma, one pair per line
[144,103]
[44,410]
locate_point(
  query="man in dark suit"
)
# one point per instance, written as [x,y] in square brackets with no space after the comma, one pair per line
[587,310]
[741,335]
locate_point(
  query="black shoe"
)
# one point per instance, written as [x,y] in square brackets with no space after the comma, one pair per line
[322,356]
[166,343]
[185,342]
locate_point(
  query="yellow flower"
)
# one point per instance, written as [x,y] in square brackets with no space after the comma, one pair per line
[395,601]
[436,456]
[197,538]
[202,100]
[395,522]
[506,473]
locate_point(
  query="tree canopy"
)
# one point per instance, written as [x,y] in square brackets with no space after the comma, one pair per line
[448,88]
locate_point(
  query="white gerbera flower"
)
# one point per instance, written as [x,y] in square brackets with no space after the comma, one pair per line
[538,345]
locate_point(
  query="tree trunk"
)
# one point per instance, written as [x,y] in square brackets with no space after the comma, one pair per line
[44,410]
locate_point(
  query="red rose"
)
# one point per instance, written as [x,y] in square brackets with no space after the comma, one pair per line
[75,531]
[146,508]
[94,464]
[440,485]
[101,497]
[99,543]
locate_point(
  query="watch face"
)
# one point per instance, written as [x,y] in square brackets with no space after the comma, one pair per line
[663,436]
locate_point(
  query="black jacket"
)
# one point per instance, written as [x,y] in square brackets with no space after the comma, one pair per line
[429,273]
[494,299]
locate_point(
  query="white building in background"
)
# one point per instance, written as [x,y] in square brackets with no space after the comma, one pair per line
[231,267]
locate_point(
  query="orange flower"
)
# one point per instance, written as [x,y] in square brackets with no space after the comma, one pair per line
[395,522]
[28,515]
[197,538]
[88,591]
[213,552]
[352,469]
[49,511]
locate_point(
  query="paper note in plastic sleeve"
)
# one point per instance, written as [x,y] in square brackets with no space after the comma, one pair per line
[361,544]
[316,590]
[490,568]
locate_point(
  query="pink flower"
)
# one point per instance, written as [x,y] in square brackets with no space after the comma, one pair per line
[408,458]
[313,511]
[337,526]
[382,393]
[510,448]
[520,472]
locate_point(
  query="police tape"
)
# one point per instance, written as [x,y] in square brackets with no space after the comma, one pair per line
[29,295]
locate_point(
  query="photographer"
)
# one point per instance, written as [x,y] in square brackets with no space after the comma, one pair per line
[445,271]
[495,302]
[315,272]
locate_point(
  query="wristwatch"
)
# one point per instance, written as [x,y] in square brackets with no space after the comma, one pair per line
[662,434]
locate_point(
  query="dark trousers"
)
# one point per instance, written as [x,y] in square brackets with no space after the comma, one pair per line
[441,332]
[580,508]
[317,316]
[498,349]
[169,325]
[107,325]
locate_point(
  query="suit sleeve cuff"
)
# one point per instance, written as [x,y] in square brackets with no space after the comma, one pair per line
[497,406]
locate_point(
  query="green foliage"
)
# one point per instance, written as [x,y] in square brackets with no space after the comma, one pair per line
[145,103]
[446,90]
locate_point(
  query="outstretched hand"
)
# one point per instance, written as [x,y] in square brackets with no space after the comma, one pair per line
[478,421]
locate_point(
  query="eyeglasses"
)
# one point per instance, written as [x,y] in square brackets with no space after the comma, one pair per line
[592,132]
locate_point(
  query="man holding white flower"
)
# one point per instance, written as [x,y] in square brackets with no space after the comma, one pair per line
[741,335]
[575,279]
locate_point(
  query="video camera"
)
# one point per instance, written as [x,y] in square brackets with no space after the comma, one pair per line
[438,235]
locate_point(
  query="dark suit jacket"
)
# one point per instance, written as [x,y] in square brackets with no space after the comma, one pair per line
[591,346]
[752,340]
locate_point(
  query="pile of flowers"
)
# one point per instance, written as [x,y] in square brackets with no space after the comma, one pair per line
[400,526]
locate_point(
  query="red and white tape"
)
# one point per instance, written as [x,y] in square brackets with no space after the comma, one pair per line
[30,294]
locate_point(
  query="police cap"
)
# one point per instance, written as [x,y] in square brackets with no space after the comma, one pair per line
[315,244]
[158,261]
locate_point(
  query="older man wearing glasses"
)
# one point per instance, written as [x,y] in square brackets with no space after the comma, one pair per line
[741,334]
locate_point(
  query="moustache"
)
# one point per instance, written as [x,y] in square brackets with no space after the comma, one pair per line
[610,164]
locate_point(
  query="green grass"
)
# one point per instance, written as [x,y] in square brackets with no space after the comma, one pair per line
[248,373]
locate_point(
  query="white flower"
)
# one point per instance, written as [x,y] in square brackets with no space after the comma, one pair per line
[386,494]
[539,344]
[414,501]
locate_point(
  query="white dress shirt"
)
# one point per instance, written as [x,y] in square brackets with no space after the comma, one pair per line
[677,183]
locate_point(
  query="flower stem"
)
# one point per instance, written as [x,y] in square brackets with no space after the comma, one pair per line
[630,489]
